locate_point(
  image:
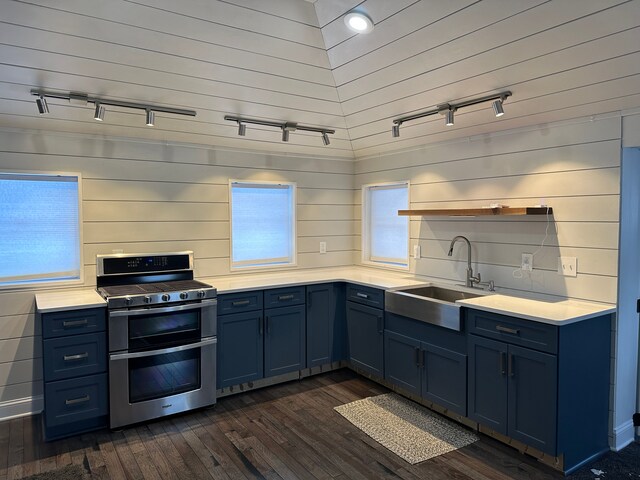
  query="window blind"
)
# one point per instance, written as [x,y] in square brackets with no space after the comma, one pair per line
[262,224]
[40,234]
[387,232]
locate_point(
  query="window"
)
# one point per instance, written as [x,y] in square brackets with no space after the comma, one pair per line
[385,234]
[40,235]
[262,224]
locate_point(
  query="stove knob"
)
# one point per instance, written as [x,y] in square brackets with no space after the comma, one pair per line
[128,300]
[202,294]
[147,299]
[166,297]
[184,295]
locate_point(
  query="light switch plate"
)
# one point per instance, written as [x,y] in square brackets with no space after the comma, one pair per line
[568,266]
[416,251]
[527,262]
[323,247]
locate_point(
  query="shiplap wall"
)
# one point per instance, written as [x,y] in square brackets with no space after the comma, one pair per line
[573,167]
[152,197]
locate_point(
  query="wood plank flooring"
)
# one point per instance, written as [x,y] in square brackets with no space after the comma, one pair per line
[288,432]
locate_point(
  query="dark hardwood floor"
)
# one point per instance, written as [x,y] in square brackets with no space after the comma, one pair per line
[288,431]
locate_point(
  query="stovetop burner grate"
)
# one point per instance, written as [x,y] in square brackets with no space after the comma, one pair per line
[144,288]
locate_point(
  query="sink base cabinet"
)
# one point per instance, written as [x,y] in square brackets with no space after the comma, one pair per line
[414,363]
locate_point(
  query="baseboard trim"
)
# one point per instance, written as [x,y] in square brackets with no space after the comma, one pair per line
[21,407]
[623,435]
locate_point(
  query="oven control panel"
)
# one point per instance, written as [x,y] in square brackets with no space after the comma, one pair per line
[121,264]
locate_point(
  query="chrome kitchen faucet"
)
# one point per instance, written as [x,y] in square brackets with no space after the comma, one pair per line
[470,280]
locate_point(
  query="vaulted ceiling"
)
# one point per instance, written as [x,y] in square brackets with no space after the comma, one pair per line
[295,61]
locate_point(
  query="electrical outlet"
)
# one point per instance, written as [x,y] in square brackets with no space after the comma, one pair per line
[527,262]
[323,247]
[568,266]
[416,251]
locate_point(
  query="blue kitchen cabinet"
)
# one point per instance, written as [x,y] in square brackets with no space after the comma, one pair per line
[366,341]
[284,340]
[326,328]
[240,348]
[513,390]
[426,361]
[74,347]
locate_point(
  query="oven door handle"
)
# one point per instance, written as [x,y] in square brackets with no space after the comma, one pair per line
[164,351]
[154,310]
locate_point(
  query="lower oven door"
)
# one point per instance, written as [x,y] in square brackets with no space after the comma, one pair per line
[151,384]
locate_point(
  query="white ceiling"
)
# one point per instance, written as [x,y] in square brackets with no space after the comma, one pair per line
[294,60]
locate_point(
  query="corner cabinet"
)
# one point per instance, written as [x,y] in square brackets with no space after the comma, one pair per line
[326,327]
[365,325]
[546,386]
[74,351]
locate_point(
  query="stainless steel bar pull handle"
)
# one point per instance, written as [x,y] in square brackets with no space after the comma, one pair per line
[164,351]
[75,401]
[503,363]
[75,323]
[154,311]
[362,295]
[285,297]
[79,356]
[240,303]
[511,331]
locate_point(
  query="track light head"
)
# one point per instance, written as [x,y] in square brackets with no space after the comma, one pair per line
[449,117]
[497,108]
[43,108]
[242,129]
[395,130]
[99,114]
[325,139]
[285,134]
[150,118]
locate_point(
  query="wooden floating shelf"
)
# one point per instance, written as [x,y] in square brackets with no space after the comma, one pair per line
[477,212]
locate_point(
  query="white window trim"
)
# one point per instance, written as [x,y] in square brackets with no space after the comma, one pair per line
[238,268]
[35,284]
[389,264]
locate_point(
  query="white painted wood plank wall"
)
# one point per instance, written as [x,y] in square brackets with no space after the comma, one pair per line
[148,197]
[572,166]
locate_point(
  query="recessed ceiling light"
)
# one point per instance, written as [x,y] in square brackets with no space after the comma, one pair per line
[358,22]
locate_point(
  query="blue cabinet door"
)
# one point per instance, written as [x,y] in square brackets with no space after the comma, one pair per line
[487,399]
[533,398]
[240,348]
[444,378]
[366,341]
[402,361]
[321,322]
[284,340]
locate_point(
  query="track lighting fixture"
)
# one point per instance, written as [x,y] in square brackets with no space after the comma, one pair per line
[358,22]
[448,117]
[41,102]
[99,115]
[83,99]
[286,127]
[448,109]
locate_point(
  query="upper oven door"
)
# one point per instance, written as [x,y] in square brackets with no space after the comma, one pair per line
[160,327]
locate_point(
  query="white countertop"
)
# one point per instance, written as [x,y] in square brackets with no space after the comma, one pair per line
[68,300]
[553,312]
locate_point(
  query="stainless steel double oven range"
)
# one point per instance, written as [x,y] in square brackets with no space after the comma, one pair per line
[162,335]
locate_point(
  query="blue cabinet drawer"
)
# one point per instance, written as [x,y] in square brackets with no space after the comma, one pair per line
[239,302]
[517,331]
[74,356]
[365,295]
[75,400]
[282,297]
[73,322]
